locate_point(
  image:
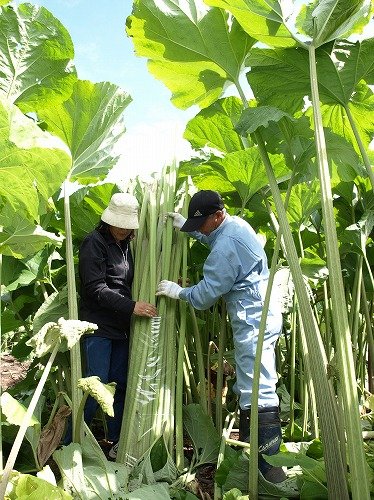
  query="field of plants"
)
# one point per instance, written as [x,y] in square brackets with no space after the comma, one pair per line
[291,154]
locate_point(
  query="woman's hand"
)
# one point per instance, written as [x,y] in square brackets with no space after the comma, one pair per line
[144,309]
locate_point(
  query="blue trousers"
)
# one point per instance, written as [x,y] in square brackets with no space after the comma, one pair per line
[245,315]
[107,359]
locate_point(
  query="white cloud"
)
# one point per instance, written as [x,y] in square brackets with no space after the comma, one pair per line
[146,149]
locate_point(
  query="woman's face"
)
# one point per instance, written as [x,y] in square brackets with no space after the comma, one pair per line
[120,234]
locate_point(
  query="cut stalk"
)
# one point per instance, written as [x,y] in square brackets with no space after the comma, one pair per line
[75,353]
[357,461]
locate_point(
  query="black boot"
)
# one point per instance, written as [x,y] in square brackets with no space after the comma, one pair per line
[269,439]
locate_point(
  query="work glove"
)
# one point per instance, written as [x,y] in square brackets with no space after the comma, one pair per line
[169,288]
[178,219]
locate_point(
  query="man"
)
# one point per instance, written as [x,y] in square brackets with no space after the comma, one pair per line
[236,269]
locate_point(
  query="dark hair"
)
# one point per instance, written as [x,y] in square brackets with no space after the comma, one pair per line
[103,228]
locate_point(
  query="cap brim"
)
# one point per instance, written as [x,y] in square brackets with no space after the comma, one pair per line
[193,224]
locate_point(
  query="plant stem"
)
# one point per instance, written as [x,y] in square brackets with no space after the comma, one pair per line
[75,353]
[356,456]
[361,147]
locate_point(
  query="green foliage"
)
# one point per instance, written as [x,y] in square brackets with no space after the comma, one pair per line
[214,126]
[33,488]
[194,50]
[91,131]
[35,53]
[65,333]
[203,434]
[264,21]
[332,19]
[33,165]
[14,411]
[103,393]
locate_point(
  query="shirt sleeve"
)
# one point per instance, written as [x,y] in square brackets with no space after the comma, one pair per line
[219,277]
[92,268]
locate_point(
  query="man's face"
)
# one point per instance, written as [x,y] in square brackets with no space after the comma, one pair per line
[210,224]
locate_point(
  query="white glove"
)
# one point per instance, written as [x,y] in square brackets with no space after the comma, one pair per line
[169,288]
[178,219]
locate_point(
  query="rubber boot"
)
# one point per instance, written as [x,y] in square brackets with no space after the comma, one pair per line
[269,439]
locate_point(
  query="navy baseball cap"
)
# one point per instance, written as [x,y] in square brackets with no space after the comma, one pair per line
[202,204]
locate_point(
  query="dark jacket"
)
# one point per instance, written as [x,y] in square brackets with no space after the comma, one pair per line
[106,270]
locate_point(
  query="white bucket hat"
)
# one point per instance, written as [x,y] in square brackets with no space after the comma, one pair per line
[122,211]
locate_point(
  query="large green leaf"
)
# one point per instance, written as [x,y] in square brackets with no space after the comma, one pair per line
[245,171]
[214,126]
[14,411]
[201,430]
[90,122]
[330,19]
[33,488]
[343,75]
[35,57]
[20,238]
[304,199]
[53,308]
[263,20]
[253,118]
[193,49]
[33,163]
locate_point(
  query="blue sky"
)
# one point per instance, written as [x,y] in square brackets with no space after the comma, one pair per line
[103,52]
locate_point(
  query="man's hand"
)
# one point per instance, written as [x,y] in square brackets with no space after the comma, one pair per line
[178,219]
[169,288]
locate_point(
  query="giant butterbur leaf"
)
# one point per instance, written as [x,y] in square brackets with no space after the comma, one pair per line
[20,237]
[90,122]
[262,20]
[195,50]
[343,75]
[253,118]
[331,19]
[245,171]
[203,434]
[35,57]
[33,163]
[214,127]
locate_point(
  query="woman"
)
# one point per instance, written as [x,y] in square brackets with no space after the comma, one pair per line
[106,270]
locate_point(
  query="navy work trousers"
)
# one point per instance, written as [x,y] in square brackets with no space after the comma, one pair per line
[107,359]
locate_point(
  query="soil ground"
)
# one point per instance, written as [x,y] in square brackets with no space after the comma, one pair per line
[11,371]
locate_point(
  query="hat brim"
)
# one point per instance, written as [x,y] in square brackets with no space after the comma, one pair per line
[193,224]
[123,221]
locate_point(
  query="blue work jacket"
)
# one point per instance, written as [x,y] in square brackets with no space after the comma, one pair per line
[235,269]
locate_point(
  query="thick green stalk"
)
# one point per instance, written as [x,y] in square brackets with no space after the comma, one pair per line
[229,424]
[354,314]
[75,353]
[1,343]
[369,336]
[253,465]
[189,376]
[221,350]
[361,147]
[293,368]
[211,348]
[356,455]
[318,361]
[179,451]
[200,361]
